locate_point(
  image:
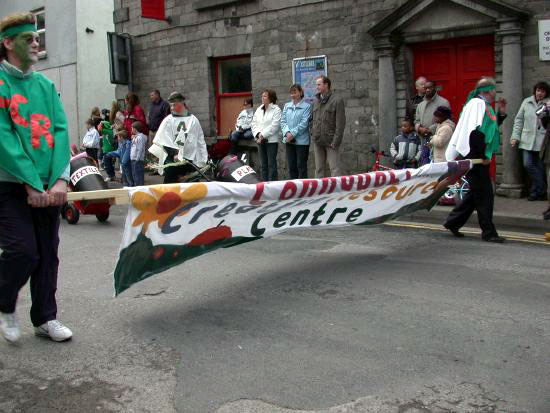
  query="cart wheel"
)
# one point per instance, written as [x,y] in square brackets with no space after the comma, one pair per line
[102,217]
[71,214]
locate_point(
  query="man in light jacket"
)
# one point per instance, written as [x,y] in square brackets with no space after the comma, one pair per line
[327,128]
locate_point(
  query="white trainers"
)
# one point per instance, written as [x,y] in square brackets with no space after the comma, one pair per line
[55,330]
[9,327]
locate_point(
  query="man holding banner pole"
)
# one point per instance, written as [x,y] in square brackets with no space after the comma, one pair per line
[477,136]
[34,171]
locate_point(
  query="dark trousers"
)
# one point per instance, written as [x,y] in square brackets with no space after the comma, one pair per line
[296,160]
[138,172]
[29,239]
[127,177]
[535,168]
[172,174]
[236,136]
[480,198]
[268,161]
[92,153]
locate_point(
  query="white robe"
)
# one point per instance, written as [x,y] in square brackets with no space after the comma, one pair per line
[471,117]
[183,133]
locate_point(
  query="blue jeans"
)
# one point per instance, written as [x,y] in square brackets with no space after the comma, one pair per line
[127,177]
[138,172]
[108,163]
[236,136]
[535,168]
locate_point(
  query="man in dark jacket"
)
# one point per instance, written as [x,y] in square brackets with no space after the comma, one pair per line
[158,111]
[327,128]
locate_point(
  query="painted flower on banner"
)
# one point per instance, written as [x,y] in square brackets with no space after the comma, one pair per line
[163,201]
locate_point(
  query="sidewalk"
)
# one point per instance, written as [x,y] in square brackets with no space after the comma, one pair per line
[513,215]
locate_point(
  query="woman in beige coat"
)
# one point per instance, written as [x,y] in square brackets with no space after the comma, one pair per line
[443,133]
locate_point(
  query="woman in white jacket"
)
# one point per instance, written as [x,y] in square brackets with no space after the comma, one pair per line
[266,128]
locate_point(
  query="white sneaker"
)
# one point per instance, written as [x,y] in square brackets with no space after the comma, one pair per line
[9,327]
[108,179]
[55,330]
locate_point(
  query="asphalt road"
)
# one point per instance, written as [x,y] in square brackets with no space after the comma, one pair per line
[379,319]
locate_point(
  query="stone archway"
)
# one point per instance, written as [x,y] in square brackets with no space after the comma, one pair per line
[426,20]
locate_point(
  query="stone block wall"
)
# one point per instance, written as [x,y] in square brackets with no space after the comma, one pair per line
[179,55]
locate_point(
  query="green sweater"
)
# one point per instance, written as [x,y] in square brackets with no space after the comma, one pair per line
[34,144]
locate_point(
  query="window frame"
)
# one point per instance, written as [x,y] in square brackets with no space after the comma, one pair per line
[41,11]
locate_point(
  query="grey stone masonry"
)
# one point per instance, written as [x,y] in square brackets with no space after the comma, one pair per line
[179,56]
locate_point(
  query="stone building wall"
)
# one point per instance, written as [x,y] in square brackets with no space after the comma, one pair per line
[178,56]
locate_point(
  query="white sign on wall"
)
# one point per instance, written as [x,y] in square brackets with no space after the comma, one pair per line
[544,39]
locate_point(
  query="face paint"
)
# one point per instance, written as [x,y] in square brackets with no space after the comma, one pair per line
[26,49]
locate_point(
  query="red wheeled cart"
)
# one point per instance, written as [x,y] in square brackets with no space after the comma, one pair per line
[85,177]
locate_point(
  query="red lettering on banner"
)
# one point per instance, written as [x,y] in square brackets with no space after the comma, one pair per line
[346,182]
[393,178]
[310,184]
[4,103]
[40,126]
[259,191]
[379,179]
[290,188]
[333,183]
[14,110]
[1,82]
[324,185]
[407,174]
[363,182]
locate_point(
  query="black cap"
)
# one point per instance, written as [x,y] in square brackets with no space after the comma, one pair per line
[176,97]
[443,112]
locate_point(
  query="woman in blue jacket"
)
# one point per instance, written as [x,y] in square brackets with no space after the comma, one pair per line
[295,127]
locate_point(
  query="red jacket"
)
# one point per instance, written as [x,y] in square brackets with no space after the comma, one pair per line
[137,114]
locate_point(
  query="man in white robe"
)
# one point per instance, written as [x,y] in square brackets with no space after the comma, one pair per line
[179,137]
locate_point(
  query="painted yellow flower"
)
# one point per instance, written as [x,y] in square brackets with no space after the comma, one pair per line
[164,201]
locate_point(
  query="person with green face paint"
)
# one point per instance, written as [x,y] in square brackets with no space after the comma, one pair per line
[34,172]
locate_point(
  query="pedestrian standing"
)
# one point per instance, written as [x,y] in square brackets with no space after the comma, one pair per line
[133,112]
[158,111]
[424,122]
[34,172]
[327,128]
[544,114]
[413,103]
[137,153]
[443,132]
[476,136]
[405,148]
[295,127]
[528,134]
[266,128]
[179,138]
[90,141]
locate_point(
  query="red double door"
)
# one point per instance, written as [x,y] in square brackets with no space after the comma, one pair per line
[455,65]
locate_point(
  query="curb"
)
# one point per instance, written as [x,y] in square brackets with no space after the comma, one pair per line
[506,222]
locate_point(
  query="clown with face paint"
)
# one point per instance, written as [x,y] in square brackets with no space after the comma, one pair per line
[34,171]
[179,137]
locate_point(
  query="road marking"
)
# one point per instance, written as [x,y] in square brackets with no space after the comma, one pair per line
[512,236]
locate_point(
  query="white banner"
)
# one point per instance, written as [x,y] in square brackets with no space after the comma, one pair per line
[168,224]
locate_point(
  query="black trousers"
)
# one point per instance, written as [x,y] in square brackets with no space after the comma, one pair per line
[268,160]
[296,160]
[480,198]
[172,174]
[29,239]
